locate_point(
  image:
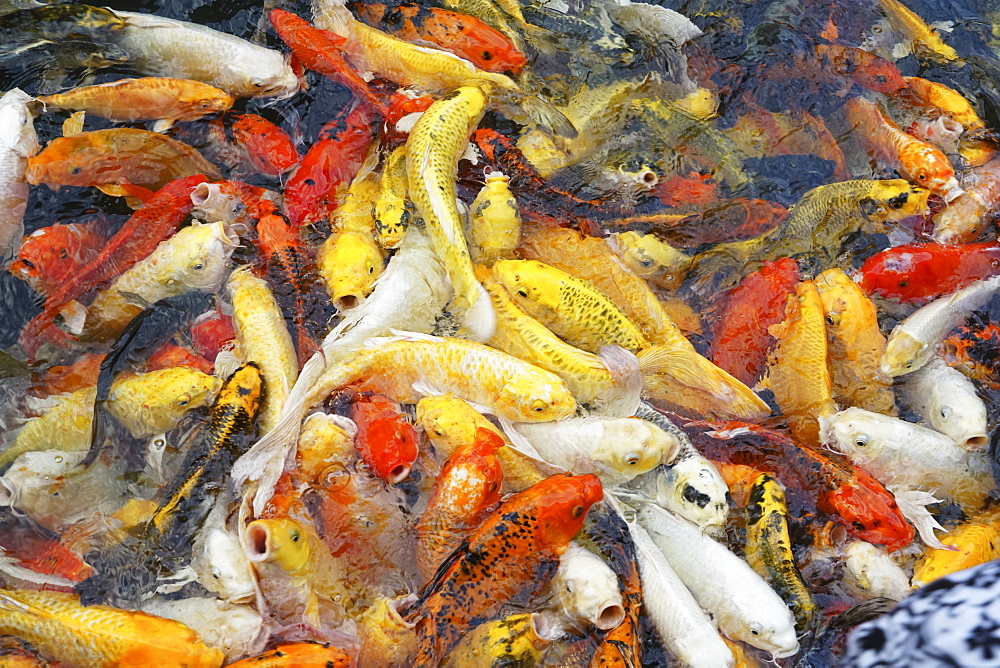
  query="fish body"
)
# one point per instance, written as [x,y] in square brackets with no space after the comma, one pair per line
[269,148]
[769,550]
[51,255]
[286,548]
[918,273]
[870,571]
[854,345]
[196,258]
[911,343]
[144,99]
[432,153]
[116,156]
[262,337]
[518,545]
[815,228]
[741,339]
[18,143]
[385,440]
[319,50]
[462,34]
[385,637]
[467,487]
[947,401]
[967,217]
[970,350]
[576,311]
[614,449]
[924,40]
[587,376]
[392,215]
[514,640]
[902,453]
[128,571]
[170,48]
[744,606]
[935,96]
[146,404]
[797,371]
[915,160]
[977,542]
[830,482]
[299,655]
[143,335]
[494,221]
[101,636]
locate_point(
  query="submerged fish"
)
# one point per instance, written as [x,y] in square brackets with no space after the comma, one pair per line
[18,143]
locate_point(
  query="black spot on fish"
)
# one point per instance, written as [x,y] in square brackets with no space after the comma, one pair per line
[691,495]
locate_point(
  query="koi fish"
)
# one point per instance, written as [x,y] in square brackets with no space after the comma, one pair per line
[519,545]
[162,99]
[467,486]
[650,258]
[385,440]
[147,332]
[976,542]
[861,67]
[101,636]
[20,143]
[50,256]
[320,51]
[740,336]
[918,273]
[462,34]
[392,213]
[967,217]
[116,156]
[587,589]
[41,551]
[515,639]
[915,160]
[948,402]
[298,654]
[57,22]
[494,221]
[970,350]
[935,96]
[269,148]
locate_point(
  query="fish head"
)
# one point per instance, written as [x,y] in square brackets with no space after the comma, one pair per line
[205,258]
[350,266]
[207,102]
[534,399]
[389,446]
[533,285]
[280,541]
[903,354]
[901,199]
[562,502]
[223,568]
[281,83]
[444,418]
[780,640]
[633,446]
[694,489]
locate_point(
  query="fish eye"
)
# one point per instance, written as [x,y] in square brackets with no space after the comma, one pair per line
[646,264]
[486,55]
[538,405]
[371,269]
[522,292]
[880,78]
[945,412]
[199,266]
[205,104]
[183,400]
[295,536]
[877,30]
[632,459]
[909,364]
[904,284]
[858,525]
[830,320]
[861,441]
[577,511]
[63,254]
[75,170]
[921,177]
[258,84]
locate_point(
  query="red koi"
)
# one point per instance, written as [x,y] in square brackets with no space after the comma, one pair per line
[402,104]
[687,190]
[386,440]
[507,560]
[466,36]
[861,67]
[918,273]
[51,255]
[816,480]
[209,336]
[740,338]
[469,484]
[311,191]
[319,51]
[40,551]
[269,148]
[138,237]
[171,355]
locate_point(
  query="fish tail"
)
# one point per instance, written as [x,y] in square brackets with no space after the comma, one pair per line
[688,380]
[480,320]
[626,375]
[332,15]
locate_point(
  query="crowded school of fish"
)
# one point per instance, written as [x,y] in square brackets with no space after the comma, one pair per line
[489,333]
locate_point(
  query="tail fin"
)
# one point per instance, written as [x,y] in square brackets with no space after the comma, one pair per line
[627,378]
[480,320]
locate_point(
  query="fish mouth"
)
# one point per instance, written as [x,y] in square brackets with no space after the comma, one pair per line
[975,442]
[398,473]
[348,301]
[258,542]
[609,616]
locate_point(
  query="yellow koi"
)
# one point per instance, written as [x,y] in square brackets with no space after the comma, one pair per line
[977,542]
[392,216]
[512,641]
[494,221]
[854,345]
[262,337]
[652,259]
[432,152]
[924,38]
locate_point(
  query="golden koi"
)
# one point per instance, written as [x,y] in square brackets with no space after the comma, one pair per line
[494,221]
[392,215]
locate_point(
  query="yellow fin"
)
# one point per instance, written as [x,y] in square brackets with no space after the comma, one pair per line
[73,125]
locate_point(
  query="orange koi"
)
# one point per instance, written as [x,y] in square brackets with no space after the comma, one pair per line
[507,560]
[464,35]
[269,148]
[469,483]
[386,440]
[41,551]
[138,237]
[402,104]
[51,255]
[319,51]
[865,69]
[171,355]
[76,376]
[298,655]
[116,156]
[916,160]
